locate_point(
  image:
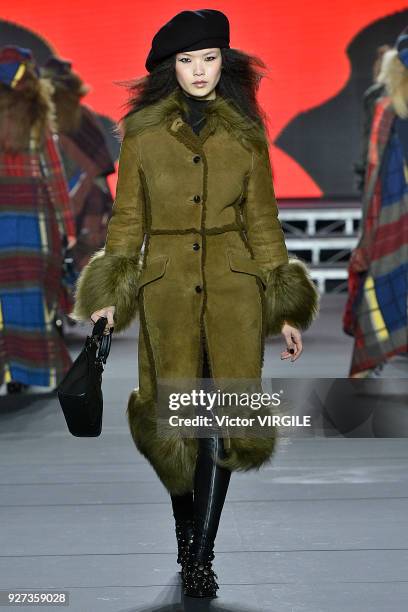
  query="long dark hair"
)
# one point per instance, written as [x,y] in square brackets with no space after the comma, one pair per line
[241,75]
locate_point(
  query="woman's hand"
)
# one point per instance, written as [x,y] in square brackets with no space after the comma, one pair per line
[293,341]
[107,312]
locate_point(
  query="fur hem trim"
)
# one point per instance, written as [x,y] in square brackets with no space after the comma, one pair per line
[108,280]
[252,449]
[248,453]
[291,296]
[172,456]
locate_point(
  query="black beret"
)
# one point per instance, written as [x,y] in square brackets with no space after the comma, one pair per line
[189,31]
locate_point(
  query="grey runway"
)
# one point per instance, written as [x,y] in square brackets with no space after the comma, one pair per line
[323,528]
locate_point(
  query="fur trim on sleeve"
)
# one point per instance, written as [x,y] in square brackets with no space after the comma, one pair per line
[108,280]
[291,296]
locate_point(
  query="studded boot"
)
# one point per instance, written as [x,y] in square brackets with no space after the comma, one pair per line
[184,535]
[183,509]
[210,488]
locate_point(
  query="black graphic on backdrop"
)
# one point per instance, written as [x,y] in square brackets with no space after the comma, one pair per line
[326,140]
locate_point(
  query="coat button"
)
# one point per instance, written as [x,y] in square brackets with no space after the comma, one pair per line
[196,246]
[197,198]
[196,159]
[198,289]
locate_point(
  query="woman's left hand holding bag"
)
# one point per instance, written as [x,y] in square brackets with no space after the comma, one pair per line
[107,313]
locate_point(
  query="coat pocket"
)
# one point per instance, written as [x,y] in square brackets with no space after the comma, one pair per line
[240,263]
[154,270]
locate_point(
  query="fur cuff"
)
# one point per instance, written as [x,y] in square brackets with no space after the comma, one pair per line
[291,296]
[108,280]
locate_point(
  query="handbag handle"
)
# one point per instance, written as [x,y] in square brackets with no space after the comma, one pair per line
[105,340]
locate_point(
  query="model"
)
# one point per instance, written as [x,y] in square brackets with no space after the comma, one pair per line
[214,279]
[85,155]
[36,218]
[376,311]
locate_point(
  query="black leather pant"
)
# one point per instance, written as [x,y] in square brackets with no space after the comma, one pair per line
[206,502]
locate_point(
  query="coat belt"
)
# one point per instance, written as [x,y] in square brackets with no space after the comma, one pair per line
[202,231]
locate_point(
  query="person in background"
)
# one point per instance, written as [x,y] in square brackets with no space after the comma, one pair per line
[376,312]
[370,96]
[36,220]
[86,158]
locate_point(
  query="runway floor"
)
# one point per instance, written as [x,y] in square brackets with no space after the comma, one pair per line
[322,529]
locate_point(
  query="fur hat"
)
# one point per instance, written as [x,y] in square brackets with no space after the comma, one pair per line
[189,31]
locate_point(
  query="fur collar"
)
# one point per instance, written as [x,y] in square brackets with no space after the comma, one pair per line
[218,110]
[25,115]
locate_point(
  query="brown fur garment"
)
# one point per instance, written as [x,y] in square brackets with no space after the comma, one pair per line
[172,456]
[69,90]
[23,111]
[248,452]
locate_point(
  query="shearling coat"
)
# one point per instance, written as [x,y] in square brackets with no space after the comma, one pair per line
[214,271]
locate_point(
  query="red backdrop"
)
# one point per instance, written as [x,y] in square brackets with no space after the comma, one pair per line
[302,43]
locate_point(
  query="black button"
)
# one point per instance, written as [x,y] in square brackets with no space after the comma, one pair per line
[196,159]
[196,246]
[198,289]
[197,198]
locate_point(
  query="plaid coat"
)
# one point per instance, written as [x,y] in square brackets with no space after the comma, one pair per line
[376,312]
[35,214]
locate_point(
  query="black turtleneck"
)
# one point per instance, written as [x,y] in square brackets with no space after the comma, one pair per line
[196,117]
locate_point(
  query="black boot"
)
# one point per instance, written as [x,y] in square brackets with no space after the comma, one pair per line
[210,488]
[184,535]
[183,515]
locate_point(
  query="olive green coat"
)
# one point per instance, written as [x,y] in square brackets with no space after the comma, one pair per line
[214,270]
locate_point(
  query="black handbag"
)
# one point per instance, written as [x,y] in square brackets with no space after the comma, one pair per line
[80,391]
